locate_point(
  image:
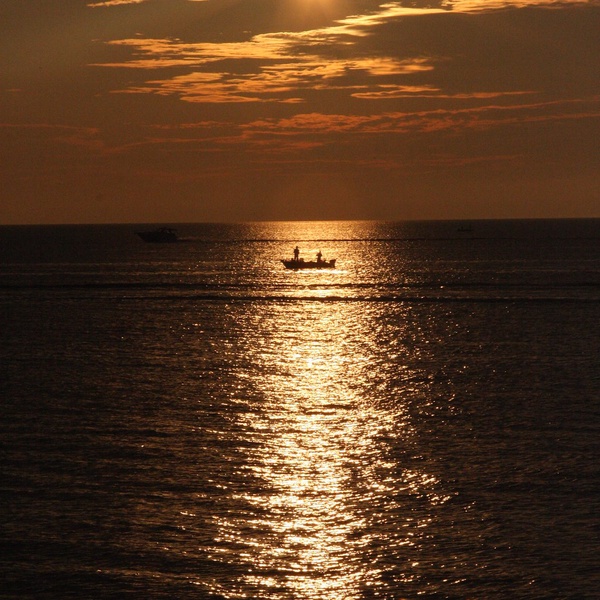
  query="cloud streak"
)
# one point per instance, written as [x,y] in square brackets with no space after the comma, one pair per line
[110,3]
[320,127]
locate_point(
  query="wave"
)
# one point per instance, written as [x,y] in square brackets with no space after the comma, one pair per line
[117,285]
[353,293]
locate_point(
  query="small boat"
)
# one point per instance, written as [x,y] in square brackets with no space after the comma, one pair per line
[163,235]
[299,263]
[308,264]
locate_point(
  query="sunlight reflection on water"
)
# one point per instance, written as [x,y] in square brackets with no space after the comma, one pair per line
[317,440]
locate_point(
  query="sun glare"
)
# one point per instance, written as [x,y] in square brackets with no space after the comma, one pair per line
[316,448]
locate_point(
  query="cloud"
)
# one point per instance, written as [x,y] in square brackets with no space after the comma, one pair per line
[486,117]
[489,5]
[286,81]
[297,136]
[270,67]
[114,3]
[390,53]
[386,92]
[391,71]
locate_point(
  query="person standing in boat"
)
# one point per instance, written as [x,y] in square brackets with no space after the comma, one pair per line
[319,257]
[296,253]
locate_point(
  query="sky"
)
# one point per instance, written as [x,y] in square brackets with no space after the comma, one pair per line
[172,111]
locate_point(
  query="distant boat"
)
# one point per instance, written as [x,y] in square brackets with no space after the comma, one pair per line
[299,263]
[163,235]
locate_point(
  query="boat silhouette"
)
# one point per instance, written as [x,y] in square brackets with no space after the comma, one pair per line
[162,235]
[296,262]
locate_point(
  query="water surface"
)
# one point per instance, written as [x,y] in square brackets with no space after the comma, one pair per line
[195,421]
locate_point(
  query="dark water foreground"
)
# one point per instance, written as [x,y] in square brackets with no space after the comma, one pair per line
[194,421]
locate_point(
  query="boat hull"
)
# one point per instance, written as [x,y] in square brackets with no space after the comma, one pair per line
[309,264]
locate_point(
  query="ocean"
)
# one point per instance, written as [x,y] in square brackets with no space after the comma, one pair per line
[195,421]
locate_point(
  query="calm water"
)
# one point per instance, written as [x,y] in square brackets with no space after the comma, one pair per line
[194,421]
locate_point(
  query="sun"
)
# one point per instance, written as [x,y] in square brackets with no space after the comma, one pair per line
[312,14]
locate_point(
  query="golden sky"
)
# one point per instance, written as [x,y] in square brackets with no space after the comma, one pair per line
[232,110]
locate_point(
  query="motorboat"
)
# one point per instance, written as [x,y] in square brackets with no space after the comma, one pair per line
[162,235]
[296,262]
[308,264]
